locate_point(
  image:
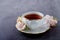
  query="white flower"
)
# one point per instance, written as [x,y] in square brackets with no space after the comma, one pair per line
[20,25]
[51,20]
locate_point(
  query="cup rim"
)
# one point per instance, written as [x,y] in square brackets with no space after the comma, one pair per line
[39,13]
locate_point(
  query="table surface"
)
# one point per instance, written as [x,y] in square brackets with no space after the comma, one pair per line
[11,9]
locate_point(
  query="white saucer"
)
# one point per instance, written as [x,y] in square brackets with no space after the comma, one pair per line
[39,30]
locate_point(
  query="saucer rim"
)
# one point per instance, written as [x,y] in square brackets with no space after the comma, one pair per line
[32,32]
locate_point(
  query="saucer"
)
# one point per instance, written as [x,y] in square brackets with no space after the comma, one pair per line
[42,29]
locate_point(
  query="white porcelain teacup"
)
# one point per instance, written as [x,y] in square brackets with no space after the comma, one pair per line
[32,19]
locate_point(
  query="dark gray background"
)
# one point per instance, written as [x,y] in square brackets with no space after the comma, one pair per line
[11,9]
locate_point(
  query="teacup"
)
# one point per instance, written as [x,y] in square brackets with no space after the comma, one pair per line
[32,19]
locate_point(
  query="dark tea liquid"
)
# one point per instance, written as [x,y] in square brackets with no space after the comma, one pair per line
[33,16]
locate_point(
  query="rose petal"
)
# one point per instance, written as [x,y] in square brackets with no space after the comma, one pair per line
[50,20]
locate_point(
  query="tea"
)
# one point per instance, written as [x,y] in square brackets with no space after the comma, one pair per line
[33,16]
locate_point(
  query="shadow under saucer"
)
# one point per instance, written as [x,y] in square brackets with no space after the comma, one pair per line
[35,35]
